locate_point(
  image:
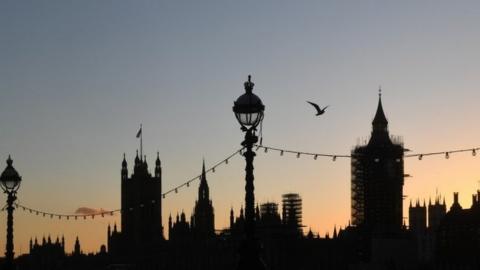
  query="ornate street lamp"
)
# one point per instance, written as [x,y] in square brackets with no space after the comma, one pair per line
[10,183]
[249,112]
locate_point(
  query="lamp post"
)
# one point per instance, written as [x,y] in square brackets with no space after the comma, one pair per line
[248,110]
[10,182]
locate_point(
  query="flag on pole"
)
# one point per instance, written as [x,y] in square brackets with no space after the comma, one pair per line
[139,133]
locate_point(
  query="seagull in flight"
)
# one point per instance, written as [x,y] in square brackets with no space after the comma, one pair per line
[320,111]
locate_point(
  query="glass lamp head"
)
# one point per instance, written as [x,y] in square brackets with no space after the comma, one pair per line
[10,179]
[248,108]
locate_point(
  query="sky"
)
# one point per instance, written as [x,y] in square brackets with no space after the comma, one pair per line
[78,77]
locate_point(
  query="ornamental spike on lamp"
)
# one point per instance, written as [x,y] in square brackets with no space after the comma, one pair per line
[248,109]
[10,183]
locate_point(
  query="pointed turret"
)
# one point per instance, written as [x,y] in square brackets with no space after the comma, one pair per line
[137,160]
[158,168]
[231,218]
[380,121]
[182,217]
[380,134]
[455,205]
[76,249]
[203,190]
[310,234]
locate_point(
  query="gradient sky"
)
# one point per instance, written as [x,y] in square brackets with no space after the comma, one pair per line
[78,77]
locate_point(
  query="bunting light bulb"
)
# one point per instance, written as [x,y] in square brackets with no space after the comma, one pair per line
[68,217]
[315,157]
[298,155]
[76,217]
[93,216]
[188,184]
[447,156]
[226,161]
[176,190]
[281,153]
[474,152]
[334,158]
[213,169]
[163,196]
[266,149]
[420,157]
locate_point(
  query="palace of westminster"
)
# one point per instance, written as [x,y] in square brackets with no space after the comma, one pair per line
[437,236]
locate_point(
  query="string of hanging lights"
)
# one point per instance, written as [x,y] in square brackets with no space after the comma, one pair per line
[225,161]
[104,213]
[334,157]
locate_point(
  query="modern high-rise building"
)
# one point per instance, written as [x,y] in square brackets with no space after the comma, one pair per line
[377,180]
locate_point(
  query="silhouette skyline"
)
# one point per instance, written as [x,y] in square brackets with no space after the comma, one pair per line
[376,238]
[78,78]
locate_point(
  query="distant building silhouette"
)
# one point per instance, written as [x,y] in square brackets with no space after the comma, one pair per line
[417,217]
[436,212]
[141,215]
[292,212]
[377,180]
[458,236]
[203,223]
[376,239]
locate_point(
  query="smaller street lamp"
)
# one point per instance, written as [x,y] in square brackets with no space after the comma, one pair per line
[10,183]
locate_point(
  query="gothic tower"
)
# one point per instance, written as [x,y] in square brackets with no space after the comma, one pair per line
[377,179]
[417,217]
[203,217]
[141,200]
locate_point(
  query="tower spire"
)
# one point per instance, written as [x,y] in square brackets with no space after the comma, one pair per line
[380,120]
[203,188]
[380,134]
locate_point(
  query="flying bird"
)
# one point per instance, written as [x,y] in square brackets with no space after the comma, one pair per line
[320,111]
